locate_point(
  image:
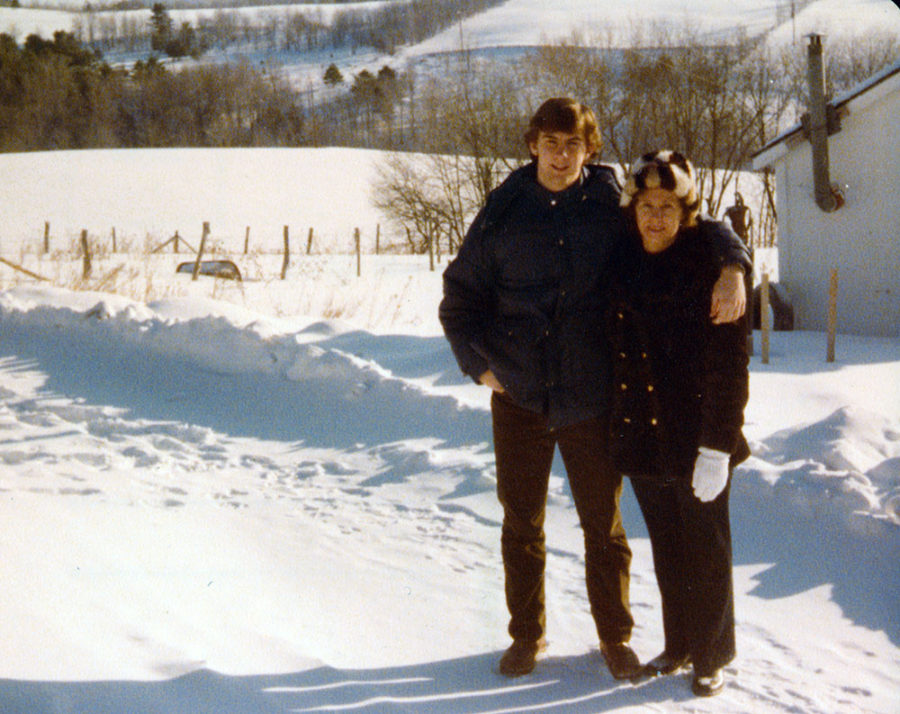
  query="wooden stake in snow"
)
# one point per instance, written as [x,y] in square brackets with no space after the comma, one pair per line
[287,254]
[309,240]
[765,320]
[246,240]
[46,236]
[832,315]
[200,252]
[358,257]
[85,255]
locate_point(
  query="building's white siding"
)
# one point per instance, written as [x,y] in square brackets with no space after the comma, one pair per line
[862,238]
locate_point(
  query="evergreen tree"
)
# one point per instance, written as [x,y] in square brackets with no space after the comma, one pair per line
[333,75]
[161,25]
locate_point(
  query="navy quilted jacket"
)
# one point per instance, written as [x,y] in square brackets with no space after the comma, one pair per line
[522,297]
[525,296]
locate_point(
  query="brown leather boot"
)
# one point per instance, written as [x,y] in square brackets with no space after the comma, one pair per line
[521,656]
[623,663]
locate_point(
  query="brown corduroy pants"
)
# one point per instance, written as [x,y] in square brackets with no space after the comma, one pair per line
[524,445]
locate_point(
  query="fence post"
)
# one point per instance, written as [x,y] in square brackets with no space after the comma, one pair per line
[246,240]
[832,314]
[114,240]
[46,236]
[200,252]
[287,254]
[85,255]
[358,257]
[309,241]
[765,321]
[175,239]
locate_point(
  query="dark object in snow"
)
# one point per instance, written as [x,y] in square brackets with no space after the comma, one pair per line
[217,268]
[779,303]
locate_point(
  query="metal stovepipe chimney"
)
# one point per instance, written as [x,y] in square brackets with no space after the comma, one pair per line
[828,198]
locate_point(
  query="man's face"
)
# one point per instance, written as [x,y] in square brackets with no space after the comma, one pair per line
[560,157]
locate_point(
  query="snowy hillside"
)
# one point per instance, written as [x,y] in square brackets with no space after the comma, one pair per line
[526,23]
[531,22]
[278,495]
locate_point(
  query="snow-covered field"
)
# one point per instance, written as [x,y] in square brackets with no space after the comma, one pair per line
[159,191]
[141,195]
[278,495]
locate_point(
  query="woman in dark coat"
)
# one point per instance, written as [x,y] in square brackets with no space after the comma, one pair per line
[679,390]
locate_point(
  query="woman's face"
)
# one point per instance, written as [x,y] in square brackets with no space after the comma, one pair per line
[659,215]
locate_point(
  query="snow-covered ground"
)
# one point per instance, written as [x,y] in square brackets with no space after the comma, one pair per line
[278,495]
[159,191]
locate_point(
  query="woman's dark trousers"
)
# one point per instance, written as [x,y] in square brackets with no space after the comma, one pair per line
[524,445]
[691,543]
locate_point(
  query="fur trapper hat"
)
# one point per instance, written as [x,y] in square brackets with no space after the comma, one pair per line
[664,169]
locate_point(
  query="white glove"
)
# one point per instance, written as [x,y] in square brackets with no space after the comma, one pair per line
[710,473]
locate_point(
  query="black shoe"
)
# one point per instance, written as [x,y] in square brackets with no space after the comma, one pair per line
[664,664]
[521,656]
[708,685]
[621,660]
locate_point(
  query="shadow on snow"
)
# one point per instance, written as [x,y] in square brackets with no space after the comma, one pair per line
[574,684]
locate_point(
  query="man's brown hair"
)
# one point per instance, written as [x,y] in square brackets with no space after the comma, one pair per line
[566,115]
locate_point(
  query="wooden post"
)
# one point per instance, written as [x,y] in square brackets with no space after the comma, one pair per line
[46,236]
[85,255]
[200,252]
[309,241]
[247,240]
[175,240]
[358,256]
[23,270]
[765,321]
[832,314]
[287,254]
[377,238]
[114,240]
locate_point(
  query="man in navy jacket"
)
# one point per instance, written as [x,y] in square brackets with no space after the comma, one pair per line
[523,311]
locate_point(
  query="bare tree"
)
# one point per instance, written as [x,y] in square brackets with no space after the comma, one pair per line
[669,89]
[470,131]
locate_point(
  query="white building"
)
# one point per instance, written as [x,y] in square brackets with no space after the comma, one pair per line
[861,238]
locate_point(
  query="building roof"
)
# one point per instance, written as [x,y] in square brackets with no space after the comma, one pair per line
[879,84]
